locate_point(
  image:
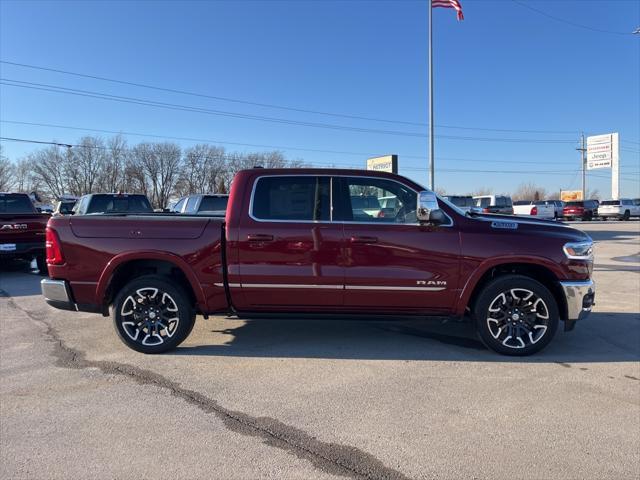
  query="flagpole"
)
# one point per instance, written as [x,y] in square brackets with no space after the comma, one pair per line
[431,163]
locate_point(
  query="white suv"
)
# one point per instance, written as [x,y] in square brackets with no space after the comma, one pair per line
[623,209]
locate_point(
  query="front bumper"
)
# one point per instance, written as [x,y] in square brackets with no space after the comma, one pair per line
[580,298]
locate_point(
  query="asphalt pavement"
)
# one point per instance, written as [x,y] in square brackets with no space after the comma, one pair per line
[316,399]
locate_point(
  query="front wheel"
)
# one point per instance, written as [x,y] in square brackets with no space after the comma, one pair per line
[152,315]
[626,216]
[516,315]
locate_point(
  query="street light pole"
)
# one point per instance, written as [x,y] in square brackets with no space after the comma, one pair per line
[431,160]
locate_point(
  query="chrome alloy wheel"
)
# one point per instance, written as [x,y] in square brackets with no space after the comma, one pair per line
[518,318]
[150,317]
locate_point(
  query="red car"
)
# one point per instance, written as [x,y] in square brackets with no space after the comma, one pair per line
[584,210]
[293,244]
[22,229]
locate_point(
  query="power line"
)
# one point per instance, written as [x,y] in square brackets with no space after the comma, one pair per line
[274,106]
[187,108]
[276,147]
[231,157]
[569,22]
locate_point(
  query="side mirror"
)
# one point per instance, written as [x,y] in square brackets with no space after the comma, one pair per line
[428,210]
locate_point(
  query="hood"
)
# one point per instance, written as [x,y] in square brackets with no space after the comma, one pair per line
[530,226]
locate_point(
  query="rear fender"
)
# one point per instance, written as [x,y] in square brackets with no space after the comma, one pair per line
[107,275]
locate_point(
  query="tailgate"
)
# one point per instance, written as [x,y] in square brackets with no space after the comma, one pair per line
[22,228]
[138,226]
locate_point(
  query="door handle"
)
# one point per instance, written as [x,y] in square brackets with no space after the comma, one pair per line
[259,237]
[361,240]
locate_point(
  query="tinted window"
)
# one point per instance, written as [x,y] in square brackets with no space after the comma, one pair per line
[291,198]
[360,200]
[16,204]
[610,202]
[574,204]
[483,202]
[524,202]
[462,201]
[114,203]
[213,204]
[503,202]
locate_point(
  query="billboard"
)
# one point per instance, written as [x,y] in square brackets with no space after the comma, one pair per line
[602,151]
[386,163]
[571,195]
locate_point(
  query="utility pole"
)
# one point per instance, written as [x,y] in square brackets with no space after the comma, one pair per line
[431,161]
[583,162]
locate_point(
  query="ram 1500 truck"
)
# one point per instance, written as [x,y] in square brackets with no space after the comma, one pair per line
[22,229]
[293,244]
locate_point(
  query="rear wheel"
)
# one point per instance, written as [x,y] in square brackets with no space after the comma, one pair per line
[152,315]
[516,315]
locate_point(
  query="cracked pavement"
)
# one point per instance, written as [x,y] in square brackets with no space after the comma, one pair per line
[313,399]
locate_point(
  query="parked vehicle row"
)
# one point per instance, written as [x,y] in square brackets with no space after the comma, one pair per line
[622,209]
[309,242]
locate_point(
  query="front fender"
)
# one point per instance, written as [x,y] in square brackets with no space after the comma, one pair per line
[489,263]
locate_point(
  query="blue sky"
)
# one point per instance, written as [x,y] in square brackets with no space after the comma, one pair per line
[505,67]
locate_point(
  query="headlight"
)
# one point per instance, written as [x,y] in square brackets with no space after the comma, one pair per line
[579,250]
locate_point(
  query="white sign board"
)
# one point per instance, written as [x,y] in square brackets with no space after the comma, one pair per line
[602,151]
[387,163]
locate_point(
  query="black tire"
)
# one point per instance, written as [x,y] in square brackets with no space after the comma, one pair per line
[41,262]
[139,314]
[515,316]
[626,216]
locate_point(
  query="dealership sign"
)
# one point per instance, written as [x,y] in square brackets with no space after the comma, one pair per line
[571,195]
[387,163]
[602,151]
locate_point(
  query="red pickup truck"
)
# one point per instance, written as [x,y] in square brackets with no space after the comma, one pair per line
[22,229]
[294,243]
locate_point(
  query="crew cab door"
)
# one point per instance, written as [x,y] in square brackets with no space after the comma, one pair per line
[392,263]
[288,250]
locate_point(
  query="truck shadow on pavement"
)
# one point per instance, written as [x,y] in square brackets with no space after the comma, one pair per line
[604,337]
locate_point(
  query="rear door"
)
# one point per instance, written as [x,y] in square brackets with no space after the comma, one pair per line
[392,263]
[289,256]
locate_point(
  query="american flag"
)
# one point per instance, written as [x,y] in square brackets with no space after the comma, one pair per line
[449,4]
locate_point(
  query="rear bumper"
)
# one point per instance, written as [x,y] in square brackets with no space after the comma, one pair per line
[580,298]
[58,294]
[18,249]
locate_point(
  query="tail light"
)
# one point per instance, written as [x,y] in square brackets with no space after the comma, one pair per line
[534,211]
[54,248]
[381,214]
[486,210]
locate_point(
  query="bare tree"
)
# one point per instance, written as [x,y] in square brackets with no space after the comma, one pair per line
[157,166]
[7,178]
[593,194]
[113,178]
[48,170]
[85,165]
[529,191]
[482,191]
[202,168]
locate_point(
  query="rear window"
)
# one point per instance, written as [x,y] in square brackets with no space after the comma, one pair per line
[610,202]
[213,204]
[573,204]
[16,204]
[524,202]
[119,203]
[503,202]
[462,201]
[304,198]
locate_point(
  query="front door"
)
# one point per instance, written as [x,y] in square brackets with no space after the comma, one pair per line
[392,263]
[288,250]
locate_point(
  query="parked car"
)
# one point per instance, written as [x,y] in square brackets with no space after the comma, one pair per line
[65,205]
[97,203]
[622,209]
[466,203]
[558,206]
[585,210]
[534,209]
[494,204]
[212,204]
[22,229]
[293,244]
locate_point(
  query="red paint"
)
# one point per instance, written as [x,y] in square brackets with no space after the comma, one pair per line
[324,266]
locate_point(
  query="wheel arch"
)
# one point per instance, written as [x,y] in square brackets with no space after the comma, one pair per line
[539,271]
[127,266]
